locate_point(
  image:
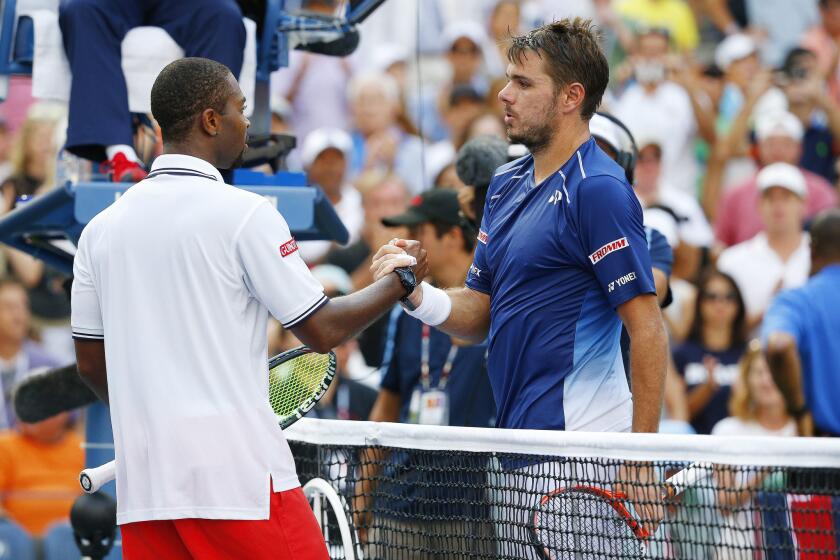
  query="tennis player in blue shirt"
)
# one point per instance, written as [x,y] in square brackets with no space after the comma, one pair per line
[562,258]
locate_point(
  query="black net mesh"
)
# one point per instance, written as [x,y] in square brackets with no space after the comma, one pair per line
[441,504]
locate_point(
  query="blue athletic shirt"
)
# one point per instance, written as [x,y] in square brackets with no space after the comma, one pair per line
[557,259]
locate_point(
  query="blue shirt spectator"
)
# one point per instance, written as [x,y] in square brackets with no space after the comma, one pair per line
[806,320]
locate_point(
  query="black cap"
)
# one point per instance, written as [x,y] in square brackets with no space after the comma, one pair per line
[439,205]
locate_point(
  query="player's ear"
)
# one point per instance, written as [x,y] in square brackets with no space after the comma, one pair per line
[572,98]
[211,121]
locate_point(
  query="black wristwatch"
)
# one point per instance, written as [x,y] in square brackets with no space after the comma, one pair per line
[409,282]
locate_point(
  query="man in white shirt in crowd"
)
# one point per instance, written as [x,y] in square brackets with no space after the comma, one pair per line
[180,275]
[325,155]
[778,257]
[657,103]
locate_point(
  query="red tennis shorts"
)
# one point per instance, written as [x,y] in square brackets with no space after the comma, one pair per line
[290,533]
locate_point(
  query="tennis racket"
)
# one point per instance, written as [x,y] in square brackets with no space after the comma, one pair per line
[330,511]
[297,379]
[585,521]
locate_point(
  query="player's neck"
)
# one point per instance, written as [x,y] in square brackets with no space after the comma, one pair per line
[194,150]
[564,144]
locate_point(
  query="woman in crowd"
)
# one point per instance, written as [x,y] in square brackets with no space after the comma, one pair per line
[707,360]
[757,408]
[33,159]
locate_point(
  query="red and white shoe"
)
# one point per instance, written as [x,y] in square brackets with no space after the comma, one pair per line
[124,170]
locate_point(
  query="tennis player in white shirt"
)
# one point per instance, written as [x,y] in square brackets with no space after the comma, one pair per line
[173,286]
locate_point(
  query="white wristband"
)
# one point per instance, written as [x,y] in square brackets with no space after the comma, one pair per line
[435,307]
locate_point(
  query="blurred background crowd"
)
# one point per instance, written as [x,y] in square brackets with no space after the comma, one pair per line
[735,109]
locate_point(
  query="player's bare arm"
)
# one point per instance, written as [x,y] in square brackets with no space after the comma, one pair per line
[344,317]
[90,360]
[783,359]
[648,359]
[468,314]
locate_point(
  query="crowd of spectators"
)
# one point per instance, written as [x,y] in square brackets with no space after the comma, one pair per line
[735,109]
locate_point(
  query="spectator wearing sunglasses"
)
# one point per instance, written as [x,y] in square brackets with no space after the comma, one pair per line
[707,362]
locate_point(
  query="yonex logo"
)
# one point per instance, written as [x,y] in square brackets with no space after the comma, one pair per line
[475,270]
[556,198]
[482,236]
[288,248]
[610,247]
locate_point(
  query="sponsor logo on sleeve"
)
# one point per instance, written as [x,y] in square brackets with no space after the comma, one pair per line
[475,271]
[288,247]
[482,236]
[621,280]
[610,247]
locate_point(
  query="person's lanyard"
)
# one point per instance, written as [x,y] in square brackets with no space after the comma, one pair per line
[425,378]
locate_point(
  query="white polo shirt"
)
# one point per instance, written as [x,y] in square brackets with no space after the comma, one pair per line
[760,273]
[179,276]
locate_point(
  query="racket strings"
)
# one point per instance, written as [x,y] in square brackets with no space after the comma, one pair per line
[293,382]
[576,521]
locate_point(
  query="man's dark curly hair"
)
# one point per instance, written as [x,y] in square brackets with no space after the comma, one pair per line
[184,89]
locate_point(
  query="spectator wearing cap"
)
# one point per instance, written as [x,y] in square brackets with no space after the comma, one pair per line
[464,43]
[800,333]
[747,84]
[822,39]
[779,140]
[675,213]
[779,24]
[325,155]
[430,378]
[654,102]
[674,15]
[379,143]
[778,257]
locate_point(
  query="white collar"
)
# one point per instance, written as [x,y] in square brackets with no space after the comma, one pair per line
[183,164]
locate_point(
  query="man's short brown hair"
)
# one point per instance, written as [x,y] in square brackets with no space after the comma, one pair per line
[570,52]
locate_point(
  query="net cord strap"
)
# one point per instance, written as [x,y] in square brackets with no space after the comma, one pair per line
[731,450]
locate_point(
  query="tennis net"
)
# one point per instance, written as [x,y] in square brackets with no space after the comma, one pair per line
[412,492]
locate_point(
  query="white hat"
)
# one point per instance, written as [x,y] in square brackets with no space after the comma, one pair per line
[603,128]
[464,28]
[778,123]
[734,48]
[386,55]
[322,139]
[439,156]
[782,175]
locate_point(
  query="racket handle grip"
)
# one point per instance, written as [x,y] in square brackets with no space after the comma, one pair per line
[95,478]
